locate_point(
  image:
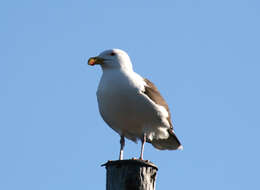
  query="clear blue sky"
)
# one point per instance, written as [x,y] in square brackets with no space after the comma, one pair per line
[203,56]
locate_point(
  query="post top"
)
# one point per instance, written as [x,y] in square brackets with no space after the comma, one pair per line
[130,162]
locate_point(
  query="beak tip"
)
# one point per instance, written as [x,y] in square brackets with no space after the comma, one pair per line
[91,61]
[95,61]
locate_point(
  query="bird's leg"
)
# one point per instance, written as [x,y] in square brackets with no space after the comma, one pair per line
[122,143]
[142,147]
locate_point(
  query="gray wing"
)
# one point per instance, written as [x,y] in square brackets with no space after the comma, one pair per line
[172,142]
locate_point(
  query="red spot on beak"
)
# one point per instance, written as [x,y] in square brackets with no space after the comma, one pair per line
[92,61]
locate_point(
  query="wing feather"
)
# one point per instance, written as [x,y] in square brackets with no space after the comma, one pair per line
[172,142]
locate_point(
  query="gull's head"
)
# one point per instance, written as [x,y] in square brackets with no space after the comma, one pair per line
[112,59]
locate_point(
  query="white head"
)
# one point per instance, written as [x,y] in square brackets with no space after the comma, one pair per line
[112,59]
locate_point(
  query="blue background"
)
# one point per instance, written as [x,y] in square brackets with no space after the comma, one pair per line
[203,56]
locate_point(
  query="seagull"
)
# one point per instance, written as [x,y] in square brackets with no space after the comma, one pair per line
[132,105]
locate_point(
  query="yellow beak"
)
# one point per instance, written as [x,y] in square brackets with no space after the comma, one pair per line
[95,60]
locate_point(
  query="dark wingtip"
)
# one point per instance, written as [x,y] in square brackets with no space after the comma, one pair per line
[171,143]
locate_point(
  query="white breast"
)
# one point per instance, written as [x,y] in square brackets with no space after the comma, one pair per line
[126,109]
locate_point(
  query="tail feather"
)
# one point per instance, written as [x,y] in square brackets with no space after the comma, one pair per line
[171,143]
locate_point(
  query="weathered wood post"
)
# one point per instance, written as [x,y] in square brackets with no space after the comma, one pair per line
[130,175]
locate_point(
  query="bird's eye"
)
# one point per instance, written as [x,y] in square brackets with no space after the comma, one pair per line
[112,54]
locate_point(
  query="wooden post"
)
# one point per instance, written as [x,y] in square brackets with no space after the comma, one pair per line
[130,175]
